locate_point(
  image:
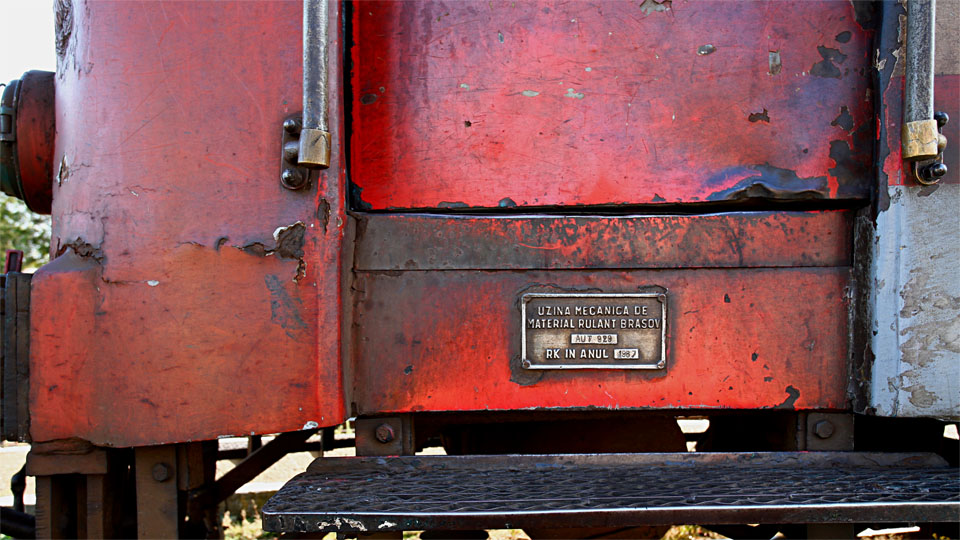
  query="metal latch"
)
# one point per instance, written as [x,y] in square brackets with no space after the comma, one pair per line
[922,140]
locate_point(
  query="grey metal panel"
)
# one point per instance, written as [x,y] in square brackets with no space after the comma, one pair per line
[916,326]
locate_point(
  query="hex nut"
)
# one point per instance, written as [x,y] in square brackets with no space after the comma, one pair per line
[824,429]
[160,472]
[384,433]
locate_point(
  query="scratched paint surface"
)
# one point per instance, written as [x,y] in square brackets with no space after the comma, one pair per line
[486,104]
[191,288]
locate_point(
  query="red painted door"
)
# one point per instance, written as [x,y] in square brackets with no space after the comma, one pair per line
[501,104]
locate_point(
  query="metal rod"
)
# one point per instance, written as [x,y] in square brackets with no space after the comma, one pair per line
[919,64]
[314,148]
[919,135]
[315,64]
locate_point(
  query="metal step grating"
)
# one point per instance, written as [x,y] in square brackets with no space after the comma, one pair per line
[455,492]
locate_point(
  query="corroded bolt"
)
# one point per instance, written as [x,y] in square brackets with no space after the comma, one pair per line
[160,472]
[384,433]
[823,429]
[293,179]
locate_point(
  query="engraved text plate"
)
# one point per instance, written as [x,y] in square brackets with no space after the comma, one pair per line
[594,330]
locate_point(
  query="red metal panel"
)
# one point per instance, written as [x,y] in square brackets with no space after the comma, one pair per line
[737,338]
[196,296]
[481,104]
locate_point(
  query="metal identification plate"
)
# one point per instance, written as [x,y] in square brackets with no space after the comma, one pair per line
[594,330]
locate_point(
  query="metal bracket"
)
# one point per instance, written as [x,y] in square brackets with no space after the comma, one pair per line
[292,175]
[390,436]
[929,171]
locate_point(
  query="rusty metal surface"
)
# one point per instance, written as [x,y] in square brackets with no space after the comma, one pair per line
[736,239]
[420,492]
[158,513]
[36,130]
[502,104]
[916,343]
[912,360]
[184,269]
[15,357]
[738,338]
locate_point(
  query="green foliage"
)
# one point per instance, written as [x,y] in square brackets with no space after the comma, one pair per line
[22,229]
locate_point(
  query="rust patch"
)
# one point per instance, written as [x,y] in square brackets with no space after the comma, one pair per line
[323,213]
[774,65]
[826,67]
[774,183]
[792,395]
[655,6]
[853,163]
[524,377]
[704,50]
[446,204]
[844,119]
[289,243]
[284,308]
[920,397]
[759,117]
[63,13]
[83,249]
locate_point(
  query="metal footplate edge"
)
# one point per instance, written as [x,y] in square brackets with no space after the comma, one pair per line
[613,490]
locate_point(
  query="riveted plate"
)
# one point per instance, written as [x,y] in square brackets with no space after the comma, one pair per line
[594,330]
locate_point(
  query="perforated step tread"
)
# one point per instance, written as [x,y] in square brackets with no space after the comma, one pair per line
[421,492]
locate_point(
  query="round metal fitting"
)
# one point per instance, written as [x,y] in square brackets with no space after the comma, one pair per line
[293,179]
[290,151]
[942,118]
[291,126]
[824,429]
[160,472]
[384,433]
[931,174]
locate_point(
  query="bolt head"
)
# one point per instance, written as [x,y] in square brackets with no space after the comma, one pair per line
[291,126]
[293,179]
[933,171]
[160,472]
[824,429]
[384,433]
[942,118]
